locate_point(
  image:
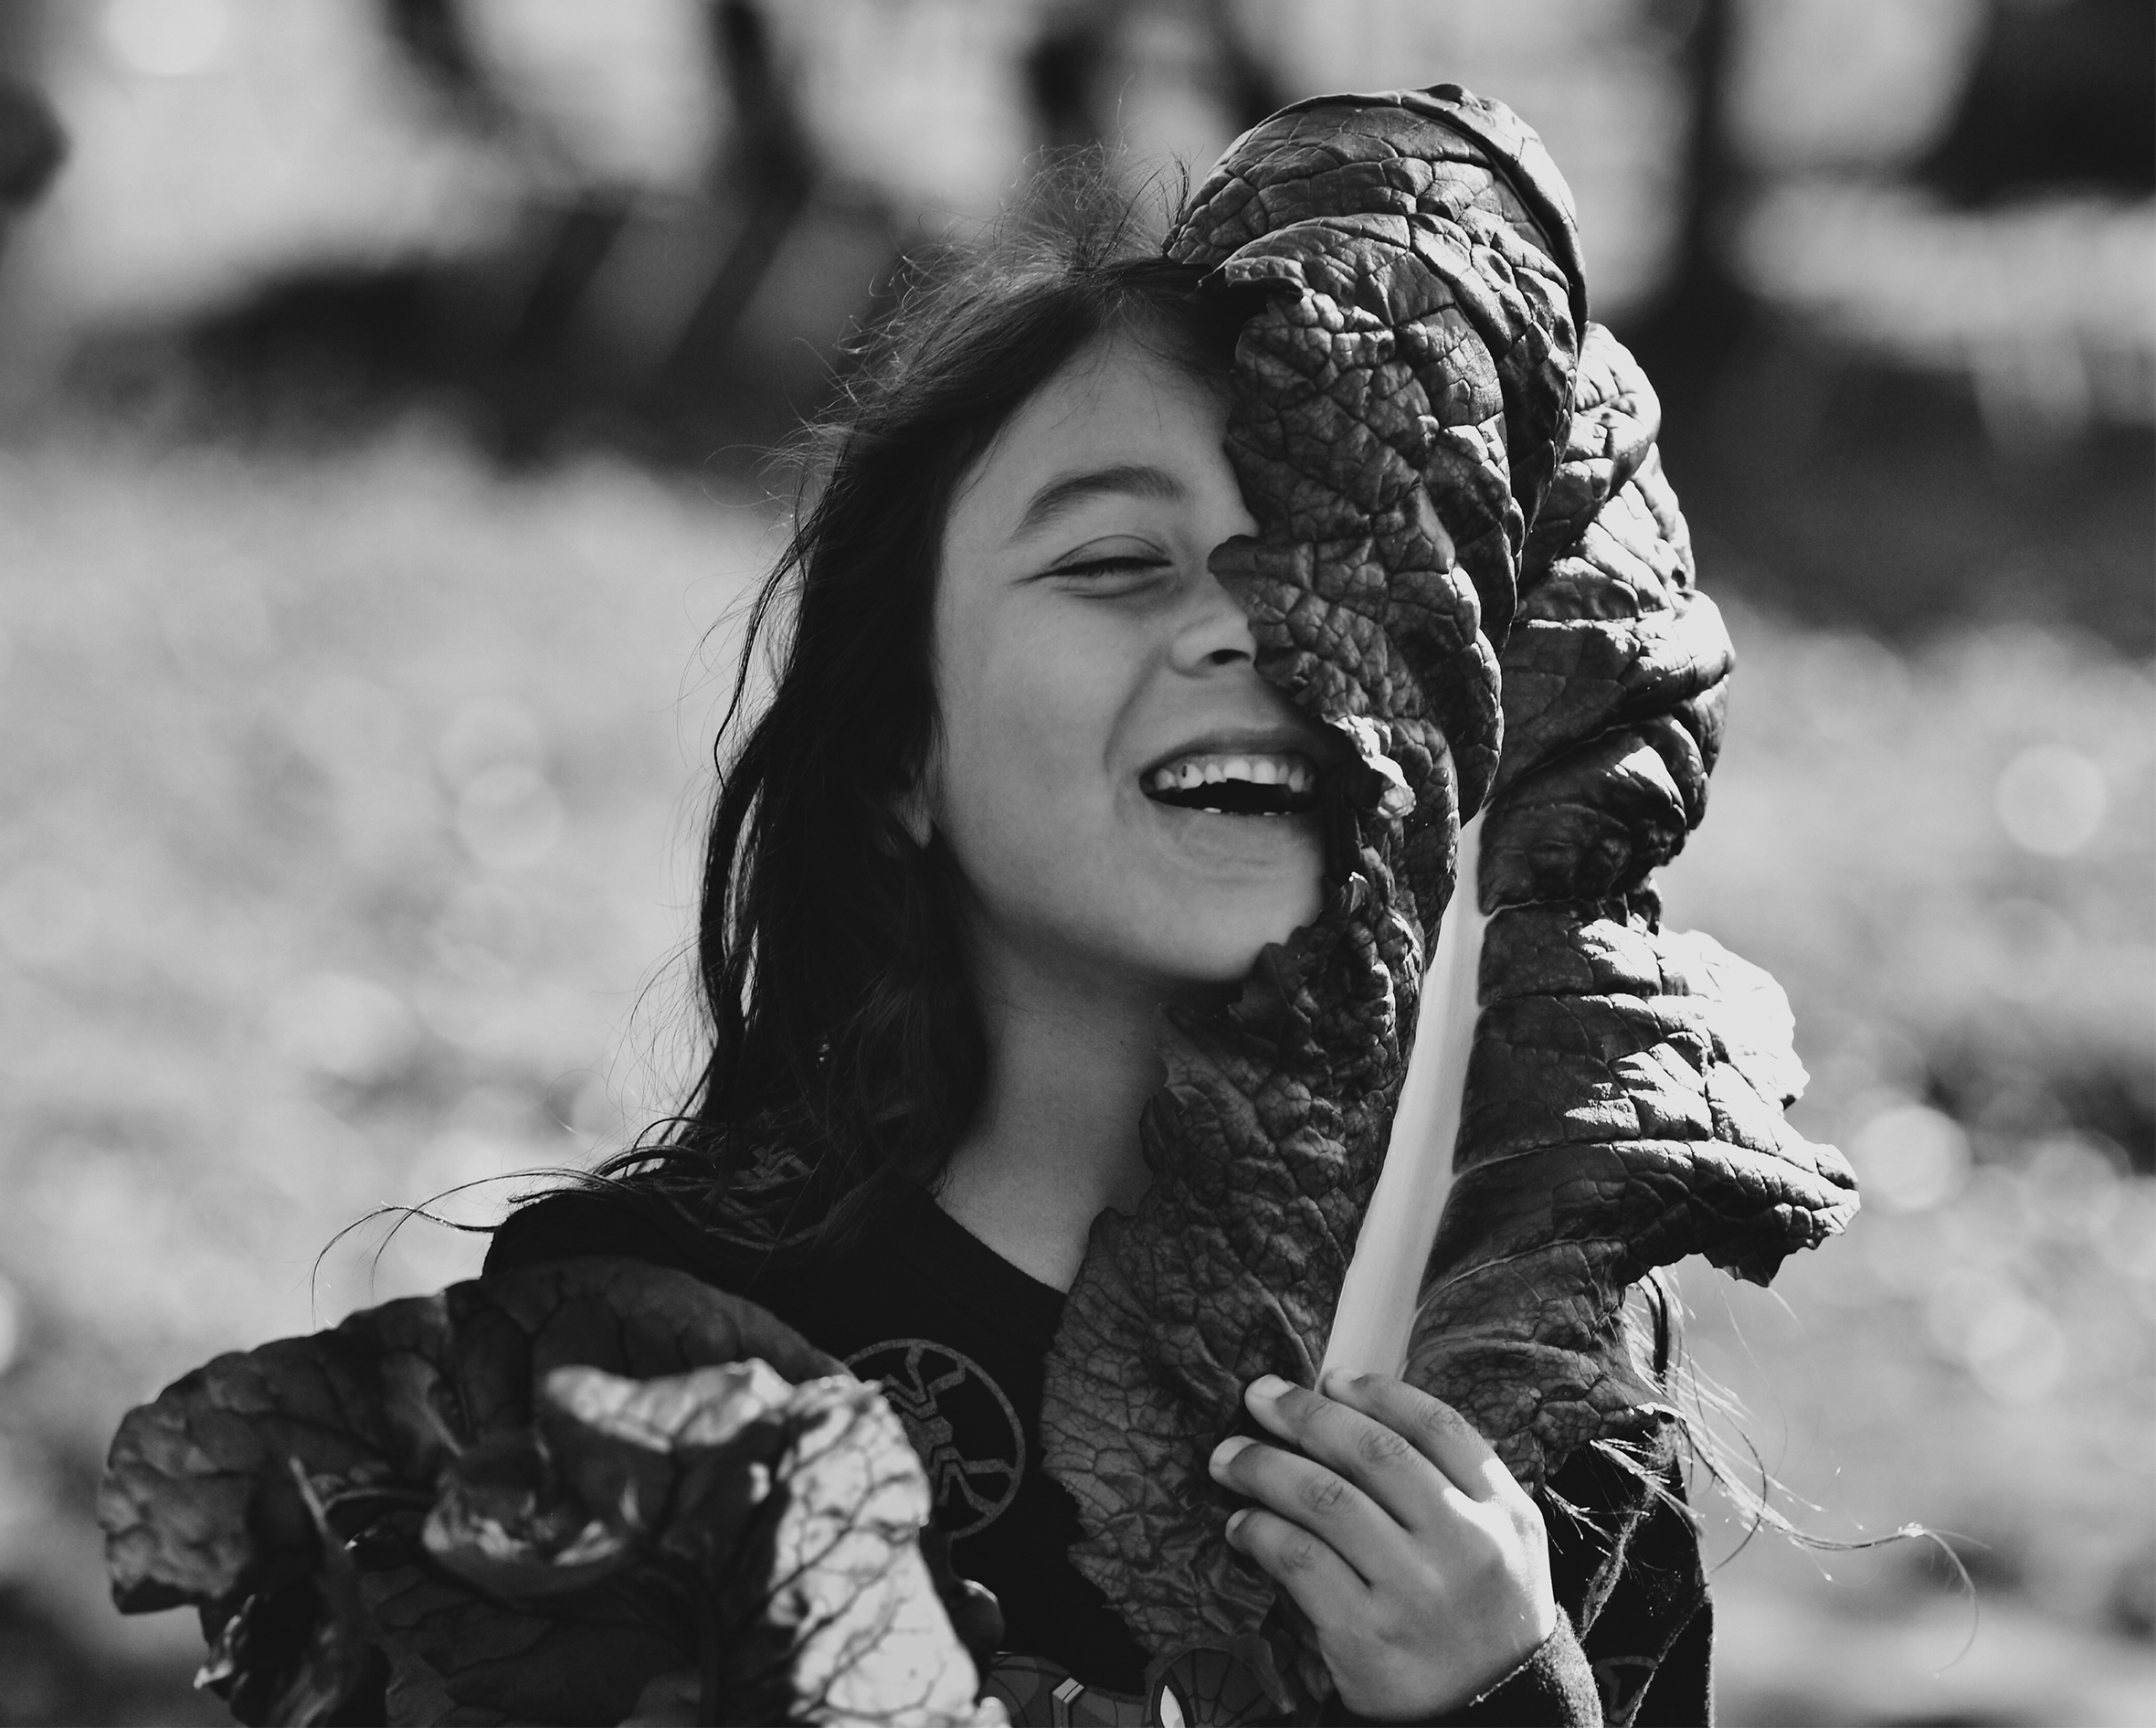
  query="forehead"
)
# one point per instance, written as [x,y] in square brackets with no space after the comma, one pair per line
[1117,402]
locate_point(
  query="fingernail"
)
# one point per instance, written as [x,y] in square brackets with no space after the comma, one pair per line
[1268,1386]
[1228,1451]
[1235,1521]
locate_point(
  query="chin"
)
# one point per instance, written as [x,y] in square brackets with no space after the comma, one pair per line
[1219,889]
[1217,951]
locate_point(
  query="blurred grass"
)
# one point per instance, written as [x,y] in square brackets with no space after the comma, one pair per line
[353,803]
[346,800]
[1943,855]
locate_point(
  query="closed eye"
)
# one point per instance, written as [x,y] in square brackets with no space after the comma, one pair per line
[1108,566]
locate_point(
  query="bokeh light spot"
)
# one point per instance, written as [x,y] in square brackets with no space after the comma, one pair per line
[509,817]
[47,915]
[1909,1158]
[167,38]
[216,626]
[346,1028]
[11,1325]
[2051,799]
[2016,1352]
[2005,1339]
[2070,1184]
[483,934]
[2034,952]
[349,722]
[487,732]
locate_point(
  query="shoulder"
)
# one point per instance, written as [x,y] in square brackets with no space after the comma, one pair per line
[566,1224]
[617,1221]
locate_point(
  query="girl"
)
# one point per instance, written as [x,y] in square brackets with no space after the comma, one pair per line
[1020,784]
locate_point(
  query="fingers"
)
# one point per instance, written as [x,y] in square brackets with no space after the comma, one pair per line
[1320,1501]
[1390,1467]
[1422,1566]
[1433,1428]
[1325,1587]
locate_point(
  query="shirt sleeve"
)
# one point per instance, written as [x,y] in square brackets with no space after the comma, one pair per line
[1554,1688]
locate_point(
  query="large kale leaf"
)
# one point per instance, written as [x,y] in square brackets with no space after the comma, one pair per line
[1399,397]
[1625,1093]
[524,1498]
[1469,562]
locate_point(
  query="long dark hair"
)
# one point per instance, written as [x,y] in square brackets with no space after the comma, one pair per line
[830,947]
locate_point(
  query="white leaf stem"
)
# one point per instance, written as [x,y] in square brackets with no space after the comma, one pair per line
[1376,1306]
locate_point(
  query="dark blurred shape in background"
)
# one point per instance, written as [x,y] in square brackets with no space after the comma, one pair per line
[383,387]
[607,309]
[1976,406]
[31,145]
[2056,96]
[1842,302]
[31,142]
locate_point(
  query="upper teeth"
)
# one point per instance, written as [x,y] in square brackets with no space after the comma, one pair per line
[1291,771]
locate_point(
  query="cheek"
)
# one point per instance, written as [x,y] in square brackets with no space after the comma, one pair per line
[1029,720]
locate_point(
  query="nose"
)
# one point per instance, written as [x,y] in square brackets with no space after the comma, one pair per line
[1214,629]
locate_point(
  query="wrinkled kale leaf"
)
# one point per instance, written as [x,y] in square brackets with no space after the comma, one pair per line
[1469,562]
[1624,1109]
[524,1498]
[1625,1094]
[1397,398]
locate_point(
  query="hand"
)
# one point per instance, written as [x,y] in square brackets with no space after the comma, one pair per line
[1421,1564]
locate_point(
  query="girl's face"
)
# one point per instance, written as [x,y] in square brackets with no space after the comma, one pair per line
[1125,795]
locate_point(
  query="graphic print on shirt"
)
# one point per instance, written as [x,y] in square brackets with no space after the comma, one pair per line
[959,1420]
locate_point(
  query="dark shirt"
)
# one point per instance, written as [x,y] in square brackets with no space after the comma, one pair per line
[959,1337]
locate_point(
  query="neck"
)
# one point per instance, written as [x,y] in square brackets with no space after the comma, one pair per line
[1071,1062]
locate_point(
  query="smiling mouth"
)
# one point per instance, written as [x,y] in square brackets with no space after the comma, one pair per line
[1236,783]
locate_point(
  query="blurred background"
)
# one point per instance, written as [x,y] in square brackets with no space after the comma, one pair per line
[382,390]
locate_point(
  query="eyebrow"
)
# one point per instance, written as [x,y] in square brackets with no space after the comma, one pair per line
[1130,479]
